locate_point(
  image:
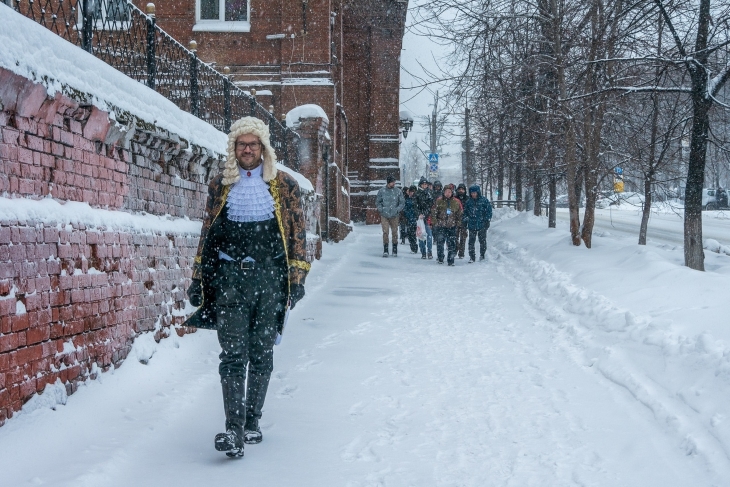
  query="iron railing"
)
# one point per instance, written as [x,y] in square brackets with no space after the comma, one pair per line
[123,36]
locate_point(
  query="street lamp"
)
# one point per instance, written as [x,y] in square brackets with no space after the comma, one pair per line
[406,122]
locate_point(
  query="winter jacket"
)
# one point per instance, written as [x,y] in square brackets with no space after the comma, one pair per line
[446,213]
[461,197]
[389,202]
[477,212]
[288,212]
[424,202]
[409,211]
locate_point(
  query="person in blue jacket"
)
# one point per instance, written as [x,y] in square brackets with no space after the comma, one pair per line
[410,217]
[477,214]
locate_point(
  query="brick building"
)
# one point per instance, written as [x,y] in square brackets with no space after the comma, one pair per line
[342,55]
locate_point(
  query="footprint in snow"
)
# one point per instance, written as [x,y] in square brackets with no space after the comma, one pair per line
[286,392]
[356,409]
[280,375]
[308,365]
[329,340]
[354,451]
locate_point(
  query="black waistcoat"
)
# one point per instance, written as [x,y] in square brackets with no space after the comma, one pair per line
[258,240]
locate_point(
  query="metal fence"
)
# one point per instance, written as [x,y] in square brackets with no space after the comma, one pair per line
[126,38]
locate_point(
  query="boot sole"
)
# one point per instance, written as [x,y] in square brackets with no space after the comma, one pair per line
[224,444]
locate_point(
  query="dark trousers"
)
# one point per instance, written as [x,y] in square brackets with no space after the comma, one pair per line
[482,234]
[249,304]
[447,236]
[461,234]
[411,234]
[403,227]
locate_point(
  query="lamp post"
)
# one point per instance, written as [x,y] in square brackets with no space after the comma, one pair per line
[406,122]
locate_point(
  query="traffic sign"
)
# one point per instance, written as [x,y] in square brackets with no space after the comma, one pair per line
[433,167]
[619,170]
[433,157]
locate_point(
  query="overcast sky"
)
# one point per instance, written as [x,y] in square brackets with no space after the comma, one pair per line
[419,55]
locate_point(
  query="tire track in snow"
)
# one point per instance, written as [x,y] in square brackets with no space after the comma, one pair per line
[598,330]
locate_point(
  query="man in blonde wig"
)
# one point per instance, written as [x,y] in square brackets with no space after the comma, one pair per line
[251,264]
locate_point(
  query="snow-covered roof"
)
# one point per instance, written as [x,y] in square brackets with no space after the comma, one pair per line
[305,111]
[34,52]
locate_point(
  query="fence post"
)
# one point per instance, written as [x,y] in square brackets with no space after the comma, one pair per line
[253,102]
[194,97]
[226,100]
[151,46]
[88,19]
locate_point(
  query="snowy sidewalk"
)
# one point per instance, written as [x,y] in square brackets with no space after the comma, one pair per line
[392,372]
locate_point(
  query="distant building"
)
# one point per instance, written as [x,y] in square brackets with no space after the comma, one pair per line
[342,55]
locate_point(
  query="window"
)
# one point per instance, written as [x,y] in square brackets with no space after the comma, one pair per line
[107,14]
[222,16]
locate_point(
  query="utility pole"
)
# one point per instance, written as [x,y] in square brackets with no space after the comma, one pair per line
[433,122]
[468,169]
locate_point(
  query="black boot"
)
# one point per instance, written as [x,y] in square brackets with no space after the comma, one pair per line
[385,250]
[234,405]
[258,384]
[395,249]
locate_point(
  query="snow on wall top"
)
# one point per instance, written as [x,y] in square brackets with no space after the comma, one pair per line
[50,211]
[32,51]
[305,111]
[304,184]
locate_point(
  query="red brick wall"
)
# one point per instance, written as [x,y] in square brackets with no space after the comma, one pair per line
[373,35]
[94,286]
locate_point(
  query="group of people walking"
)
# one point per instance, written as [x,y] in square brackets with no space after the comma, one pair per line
[431,212]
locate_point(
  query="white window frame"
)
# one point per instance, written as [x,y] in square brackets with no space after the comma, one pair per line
[102,24]
[221,25]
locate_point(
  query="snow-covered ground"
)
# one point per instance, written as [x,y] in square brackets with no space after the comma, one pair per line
[666,224]
[546,365]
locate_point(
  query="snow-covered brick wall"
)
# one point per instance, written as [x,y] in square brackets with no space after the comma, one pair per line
[103,183]
[99,224]
[75,293]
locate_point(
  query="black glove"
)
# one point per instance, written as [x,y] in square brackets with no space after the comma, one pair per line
[195,293]
[296,293]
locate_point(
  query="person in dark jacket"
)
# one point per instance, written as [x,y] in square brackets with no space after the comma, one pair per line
[250,266]
[446,216]
[477,214]
[410,216]
[438,190]
[389,203]
[402,222]
[461,233]
[424,203]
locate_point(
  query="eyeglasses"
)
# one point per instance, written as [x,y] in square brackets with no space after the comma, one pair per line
[250,145]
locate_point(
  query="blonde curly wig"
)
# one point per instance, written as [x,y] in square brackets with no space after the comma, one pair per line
[253,126]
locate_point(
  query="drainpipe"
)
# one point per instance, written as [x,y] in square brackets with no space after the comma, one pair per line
[342,113]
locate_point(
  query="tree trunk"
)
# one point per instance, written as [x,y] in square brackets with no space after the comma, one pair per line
[500,166]
[537,185]
[648,181]
[519,204]
[694,255]
[589,217]
[552,216]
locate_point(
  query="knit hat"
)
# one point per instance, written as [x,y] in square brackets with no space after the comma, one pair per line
[461,186]
[253,126]
[390,179]
[437,183]
[422,180]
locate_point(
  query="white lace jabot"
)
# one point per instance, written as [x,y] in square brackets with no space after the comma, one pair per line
[249,199]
